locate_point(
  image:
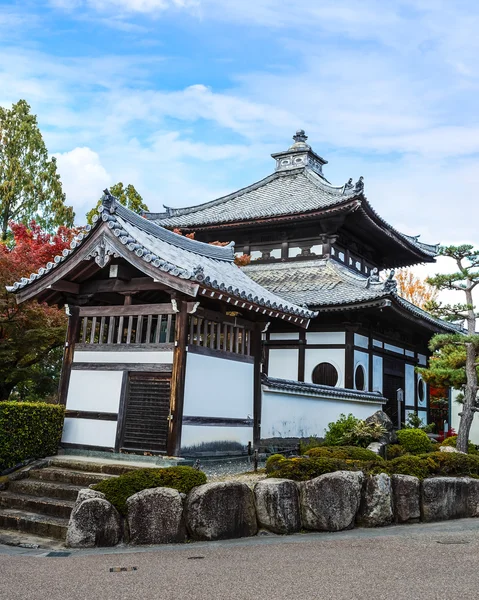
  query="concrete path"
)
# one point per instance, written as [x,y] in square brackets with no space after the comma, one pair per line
[426,561]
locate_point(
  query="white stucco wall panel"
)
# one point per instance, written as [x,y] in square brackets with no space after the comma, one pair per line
[192,435]
[361,358]
[377,373]
[325,337]
[284,336]
[94,391]
[283,363]
[85,356]
[290,415]
[90,432]
[314,356]
[217,387]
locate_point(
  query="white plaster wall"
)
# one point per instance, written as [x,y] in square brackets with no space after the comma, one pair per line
[325,337]
[139,356]
[314,356]
[377,373]
[410,386]
[196,434]
[283,363]
[284,336]
[217,387]
[290,415]
[89,432]
[94,390]
[362,358]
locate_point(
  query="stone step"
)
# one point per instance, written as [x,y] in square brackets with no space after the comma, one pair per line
[82,478]
[36,504]
[50,489]
[94,467]
[33,523]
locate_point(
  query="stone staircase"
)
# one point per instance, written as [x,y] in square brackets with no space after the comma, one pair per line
[39,505]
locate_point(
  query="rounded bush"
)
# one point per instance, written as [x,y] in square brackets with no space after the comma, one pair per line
[272,463]
[302,469]
[118,489]
[394,450]
[452,441]
[453,464]
[415,441]
[344,452]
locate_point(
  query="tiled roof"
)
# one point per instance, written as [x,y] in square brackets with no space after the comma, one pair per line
[326,284]
[322,391]
[212,267]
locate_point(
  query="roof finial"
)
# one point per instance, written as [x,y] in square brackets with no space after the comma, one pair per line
[108,200]
[300,136]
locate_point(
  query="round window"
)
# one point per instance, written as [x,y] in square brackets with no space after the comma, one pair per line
[325,374]
[421,390]
[359,378]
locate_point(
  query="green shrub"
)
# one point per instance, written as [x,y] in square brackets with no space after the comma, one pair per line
[302,469]
[362,434]
[453,464]
[434,446]
[313,442]
[394,450]
[338,429]
[28,430]
[452,441]
[118,489]
[344,452]
[272,462]
[415,441]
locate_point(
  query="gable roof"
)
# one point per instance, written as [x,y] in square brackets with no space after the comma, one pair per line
[157,251]
[326,285]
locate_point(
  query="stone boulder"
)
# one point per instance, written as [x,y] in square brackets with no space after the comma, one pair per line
[330,502]
[155,516]
[94,522]
[449,498]
[378,448]
[375,509]
[449,449]
[86,494]
[406,495]
[381,418]
[222,510]
[277,505]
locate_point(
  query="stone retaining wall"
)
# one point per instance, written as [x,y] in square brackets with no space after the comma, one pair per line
[225,510]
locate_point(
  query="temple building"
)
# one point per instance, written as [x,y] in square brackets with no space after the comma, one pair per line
[323,247]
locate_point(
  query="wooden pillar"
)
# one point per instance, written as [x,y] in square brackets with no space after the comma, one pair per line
[302,354]
[178,380]
[71,337]
[257,397]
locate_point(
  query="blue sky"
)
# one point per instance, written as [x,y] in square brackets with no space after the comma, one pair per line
[186,99]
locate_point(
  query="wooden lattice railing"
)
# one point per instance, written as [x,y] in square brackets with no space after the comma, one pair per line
[221,335]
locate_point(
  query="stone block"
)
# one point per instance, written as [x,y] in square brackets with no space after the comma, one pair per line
[277,505]
[330,502]
[155,516]
[376,502]
[94,522]
[222,510]
[445,498]
[86,494]
[406,495]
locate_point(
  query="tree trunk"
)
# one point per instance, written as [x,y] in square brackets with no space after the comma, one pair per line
[470,395]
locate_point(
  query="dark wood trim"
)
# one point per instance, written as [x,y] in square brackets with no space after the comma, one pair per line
[302,355]
[349,361]
[86,414]
[121,411]
[218,317]
[137,284]
[124,347]
[145,367]
[178,380]
[257,392]
[86,447]
[73,331]
[127,310]
[193,349]
[218,421]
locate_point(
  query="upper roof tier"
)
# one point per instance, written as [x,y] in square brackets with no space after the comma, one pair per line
[299,191]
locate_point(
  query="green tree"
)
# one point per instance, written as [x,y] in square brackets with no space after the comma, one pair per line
[30,187]
[455,356]
[128,196]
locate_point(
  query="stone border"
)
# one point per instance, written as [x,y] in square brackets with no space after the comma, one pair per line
[227,510]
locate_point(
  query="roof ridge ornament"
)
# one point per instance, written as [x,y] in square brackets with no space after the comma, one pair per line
[359,187]
[300,137]
[391,284]
[109,201]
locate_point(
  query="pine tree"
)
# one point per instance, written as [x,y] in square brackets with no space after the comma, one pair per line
[30,187]
[128,196]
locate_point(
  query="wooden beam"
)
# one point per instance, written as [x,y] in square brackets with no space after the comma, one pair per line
[138,284]
[256,349]
[65,286]
[127,367]
[71,337]
[178,380]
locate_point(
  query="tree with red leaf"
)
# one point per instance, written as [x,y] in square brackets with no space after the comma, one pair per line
[31,334]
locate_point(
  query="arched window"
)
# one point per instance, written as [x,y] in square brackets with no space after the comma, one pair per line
[421,390]
[325,374]
[360,378]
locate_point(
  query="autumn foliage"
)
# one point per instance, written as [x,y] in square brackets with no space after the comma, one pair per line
[240,260]
[30,331]
[414,289]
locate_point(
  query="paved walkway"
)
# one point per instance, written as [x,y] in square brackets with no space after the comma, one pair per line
[426,561]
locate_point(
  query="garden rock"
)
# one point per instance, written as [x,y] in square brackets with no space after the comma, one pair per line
[86,494]
[330,502]
[406,496]
[381,418]
[376,502]
[378,448]
[449,498]
[449,449]
[222,510]
[94,522]
[277,505]
[155,516]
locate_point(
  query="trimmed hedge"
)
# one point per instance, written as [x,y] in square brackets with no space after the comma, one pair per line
[452,441]
[29,430]
[415,441]
[118,489]
[344,452]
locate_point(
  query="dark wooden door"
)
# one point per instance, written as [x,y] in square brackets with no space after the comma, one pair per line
[393,379]
[145,424]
